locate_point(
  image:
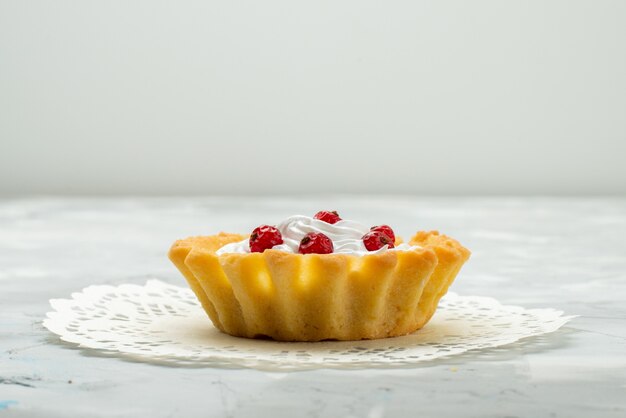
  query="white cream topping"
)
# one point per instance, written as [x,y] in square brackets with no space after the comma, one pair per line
[345,235]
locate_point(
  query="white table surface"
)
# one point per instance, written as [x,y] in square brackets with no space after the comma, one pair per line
[568,254]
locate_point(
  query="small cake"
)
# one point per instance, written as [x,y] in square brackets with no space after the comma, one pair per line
[320,278]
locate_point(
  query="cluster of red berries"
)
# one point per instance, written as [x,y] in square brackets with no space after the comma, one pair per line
[378,237]
[265,237]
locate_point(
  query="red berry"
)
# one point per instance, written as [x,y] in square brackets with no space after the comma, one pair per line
[264,237]
[328,217]
[315,243]
[385,229]
[375,240]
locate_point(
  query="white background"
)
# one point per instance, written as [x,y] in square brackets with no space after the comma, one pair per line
[233,97]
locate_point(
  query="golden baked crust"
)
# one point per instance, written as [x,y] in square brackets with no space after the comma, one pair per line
[313,297]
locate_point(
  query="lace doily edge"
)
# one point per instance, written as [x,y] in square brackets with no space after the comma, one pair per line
[558,321]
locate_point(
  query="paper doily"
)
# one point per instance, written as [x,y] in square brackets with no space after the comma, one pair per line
[159,322]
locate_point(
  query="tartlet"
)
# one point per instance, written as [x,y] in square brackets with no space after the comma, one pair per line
[313,297]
